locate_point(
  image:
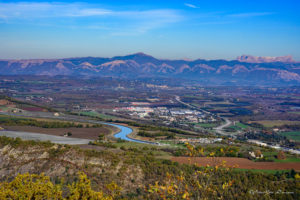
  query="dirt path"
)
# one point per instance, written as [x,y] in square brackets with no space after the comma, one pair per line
[44,137]
[242,163]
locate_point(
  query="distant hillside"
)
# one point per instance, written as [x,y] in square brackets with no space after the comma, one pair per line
[247,70]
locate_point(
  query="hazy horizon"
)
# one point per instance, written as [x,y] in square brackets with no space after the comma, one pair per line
[160,58]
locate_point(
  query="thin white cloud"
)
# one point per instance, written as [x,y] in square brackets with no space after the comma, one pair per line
[190,5]
[36,10]
[251,14]
[88,13]
[138,20]
[25,10]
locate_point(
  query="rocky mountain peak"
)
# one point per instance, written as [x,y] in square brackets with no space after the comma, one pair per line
[262,59]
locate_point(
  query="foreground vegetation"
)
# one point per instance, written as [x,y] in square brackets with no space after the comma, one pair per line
[33,186]
[135,170]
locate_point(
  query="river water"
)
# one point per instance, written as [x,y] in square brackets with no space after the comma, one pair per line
[124,132]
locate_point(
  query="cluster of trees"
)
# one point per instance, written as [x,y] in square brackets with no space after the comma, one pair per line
[157,134]
[254,125]
[293,127]
[227,151]
[281,155]
[230,129]
[240,111]
[104,144]
[272,137]
[9,121]
[18,142]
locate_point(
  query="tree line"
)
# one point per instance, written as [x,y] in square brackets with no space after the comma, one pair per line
[9,121]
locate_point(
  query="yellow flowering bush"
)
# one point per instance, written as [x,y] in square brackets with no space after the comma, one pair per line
[199,185]
[39,187]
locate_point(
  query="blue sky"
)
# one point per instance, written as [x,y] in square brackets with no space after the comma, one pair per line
[208,29]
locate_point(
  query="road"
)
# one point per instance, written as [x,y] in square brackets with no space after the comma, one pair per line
[220,128]
[190,106]
[44,137]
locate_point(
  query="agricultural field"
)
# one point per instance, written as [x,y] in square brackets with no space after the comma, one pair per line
[273,123]
[238,127]
[265,171]
[241,125]
[272,156]
[242,163]
[207,125]
[292,135]
[296,113]
[96,114]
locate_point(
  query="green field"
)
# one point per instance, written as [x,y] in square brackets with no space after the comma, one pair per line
[155,150]
[293,135]
[96,114]
[172,144]
[104,116]
[297,113]
[4,108]
[289,158]
[194,97]
[128,144]
[213,103]
[268,171]
[207,125]
[196,104]
[238,126]
[235,128]
[272,123]
[243,126]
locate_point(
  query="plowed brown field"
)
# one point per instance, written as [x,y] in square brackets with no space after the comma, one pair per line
[242,163]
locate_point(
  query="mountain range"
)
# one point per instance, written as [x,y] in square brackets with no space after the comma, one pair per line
[245,70]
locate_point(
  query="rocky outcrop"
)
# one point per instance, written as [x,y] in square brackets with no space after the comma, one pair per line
[58,161]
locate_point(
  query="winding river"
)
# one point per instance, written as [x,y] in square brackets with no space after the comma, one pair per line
[124,132]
